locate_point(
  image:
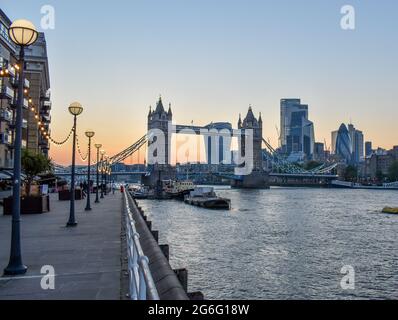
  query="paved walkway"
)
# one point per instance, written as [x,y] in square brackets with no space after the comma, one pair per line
[86,259]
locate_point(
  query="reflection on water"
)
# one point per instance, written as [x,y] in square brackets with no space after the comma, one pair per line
[284,243]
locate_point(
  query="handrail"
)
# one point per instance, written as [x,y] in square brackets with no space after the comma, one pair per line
[142,286]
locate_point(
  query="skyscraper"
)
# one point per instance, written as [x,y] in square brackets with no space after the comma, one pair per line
[357,144]
[334,140]
[297,132]
[344,144]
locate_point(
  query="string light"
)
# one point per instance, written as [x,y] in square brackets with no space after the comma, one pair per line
[79,151]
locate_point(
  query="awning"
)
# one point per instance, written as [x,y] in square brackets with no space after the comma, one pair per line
[8,175]
[5,176]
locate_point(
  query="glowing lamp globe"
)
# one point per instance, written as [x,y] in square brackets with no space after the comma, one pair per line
[75,108]
[23,33]
[90,133]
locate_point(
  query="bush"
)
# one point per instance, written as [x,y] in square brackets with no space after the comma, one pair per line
[32,165]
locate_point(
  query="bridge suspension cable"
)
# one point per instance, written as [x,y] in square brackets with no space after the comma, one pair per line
[284,166]
[121,156]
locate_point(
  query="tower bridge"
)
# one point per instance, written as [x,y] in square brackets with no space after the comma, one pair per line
[266,161]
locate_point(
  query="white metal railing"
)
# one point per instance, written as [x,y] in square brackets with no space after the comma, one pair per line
[142,286]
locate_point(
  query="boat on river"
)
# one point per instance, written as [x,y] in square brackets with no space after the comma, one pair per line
[390,210]
[205,197]
[178,189]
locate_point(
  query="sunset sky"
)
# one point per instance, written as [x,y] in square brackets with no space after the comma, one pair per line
[212,58]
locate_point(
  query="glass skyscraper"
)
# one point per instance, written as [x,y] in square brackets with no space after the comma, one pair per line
[297,132]
[344,144]
[356,144]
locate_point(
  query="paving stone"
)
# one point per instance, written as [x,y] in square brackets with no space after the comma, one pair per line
[87,259]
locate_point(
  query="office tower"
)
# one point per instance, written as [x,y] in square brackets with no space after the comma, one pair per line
[357,144]
[319,152]
[334,140]
[344,144]
[297,132]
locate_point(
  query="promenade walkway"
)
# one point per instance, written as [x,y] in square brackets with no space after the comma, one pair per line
[86,259]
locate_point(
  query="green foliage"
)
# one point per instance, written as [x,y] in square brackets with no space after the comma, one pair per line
[393,171]
[351,173]
[34,164]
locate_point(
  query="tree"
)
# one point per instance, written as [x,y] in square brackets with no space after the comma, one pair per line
[32,165]
[393,171]
[351,173]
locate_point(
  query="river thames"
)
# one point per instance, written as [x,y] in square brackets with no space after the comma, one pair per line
[284,243]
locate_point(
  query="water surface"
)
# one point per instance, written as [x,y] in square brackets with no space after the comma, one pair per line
[284,243]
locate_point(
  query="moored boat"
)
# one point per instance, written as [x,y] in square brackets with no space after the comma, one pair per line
[178,189]
[205,197]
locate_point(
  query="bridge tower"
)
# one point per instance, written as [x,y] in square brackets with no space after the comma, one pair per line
[258,178]
[161,119]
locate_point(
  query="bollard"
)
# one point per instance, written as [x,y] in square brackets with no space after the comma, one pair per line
[166,250]
[182,275]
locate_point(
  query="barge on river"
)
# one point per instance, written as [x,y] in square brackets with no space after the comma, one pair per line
[205,197]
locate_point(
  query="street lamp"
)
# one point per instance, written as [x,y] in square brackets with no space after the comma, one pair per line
[98,146]
[23,33]
[89,135]
[75,109]
[102,173]
[106,174]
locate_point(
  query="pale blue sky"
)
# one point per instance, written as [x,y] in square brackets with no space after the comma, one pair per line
[212,58]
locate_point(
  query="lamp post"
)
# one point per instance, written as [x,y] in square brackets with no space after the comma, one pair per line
[98,147]
[23,33]
[89,134]
[102,173]
[106,174]
[75,109]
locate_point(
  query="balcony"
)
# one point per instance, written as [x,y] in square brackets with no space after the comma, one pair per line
[6,92]
[14,82]
[26,84]
[5,138]
[47,105]
[15,102]
[6,115]
[45,96]
[46,118]
[43,144]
